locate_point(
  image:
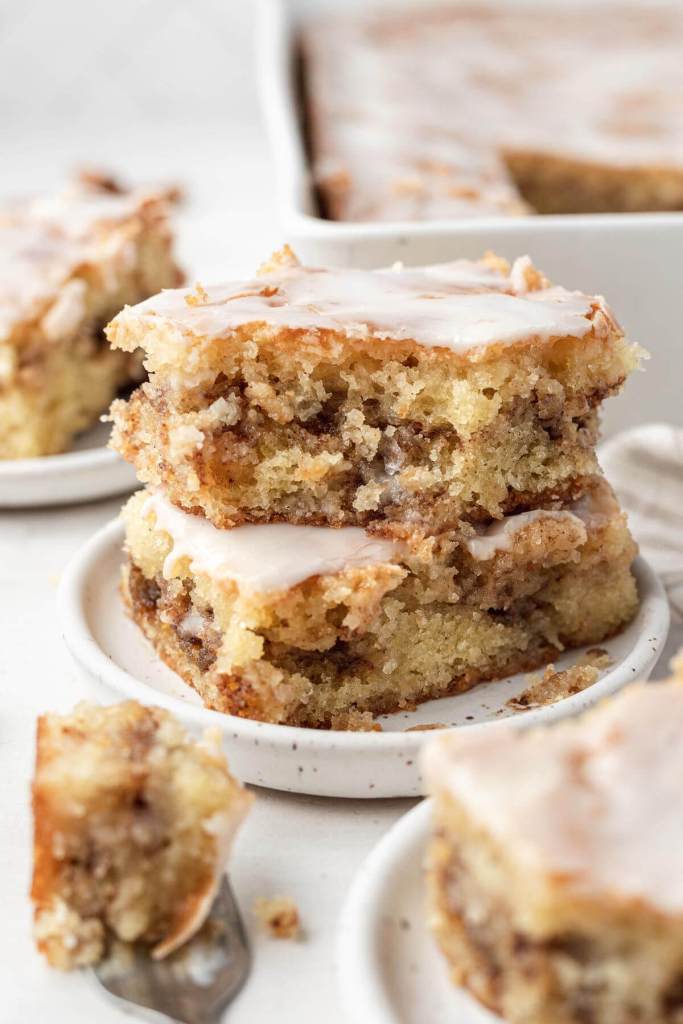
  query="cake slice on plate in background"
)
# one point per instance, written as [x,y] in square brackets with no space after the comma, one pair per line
[554,871]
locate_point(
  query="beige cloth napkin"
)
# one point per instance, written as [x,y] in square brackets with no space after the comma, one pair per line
[645,467]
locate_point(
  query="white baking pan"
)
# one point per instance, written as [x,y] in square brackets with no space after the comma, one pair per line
[635,260]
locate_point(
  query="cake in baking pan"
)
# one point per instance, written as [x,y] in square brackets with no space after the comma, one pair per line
[482,109]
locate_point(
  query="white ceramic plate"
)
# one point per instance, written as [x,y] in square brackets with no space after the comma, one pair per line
[114,655]
[390,968]
[89,471]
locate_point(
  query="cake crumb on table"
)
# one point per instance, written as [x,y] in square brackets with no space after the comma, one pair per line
[279,916]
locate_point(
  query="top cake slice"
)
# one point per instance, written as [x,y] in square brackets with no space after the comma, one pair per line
[462,391]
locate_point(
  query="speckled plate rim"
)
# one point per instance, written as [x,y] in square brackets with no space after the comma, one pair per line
[361,978]
[385,763]
[64,479]
[389,967]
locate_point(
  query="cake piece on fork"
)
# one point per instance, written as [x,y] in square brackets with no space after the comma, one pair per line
[133,824]
[556,889]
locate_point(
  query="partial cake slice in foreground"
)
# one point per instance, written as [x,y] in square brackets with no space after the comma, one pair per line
[68,263]
[556,886]
[430,395]
[133,825]
[322,627]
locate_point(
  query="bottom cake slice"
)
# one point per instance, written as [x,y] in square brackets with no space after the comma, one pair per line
[133,822]
[327,627]
[554,871]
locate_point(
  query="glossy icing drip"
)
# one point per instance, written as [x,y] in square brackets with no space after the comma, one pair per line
[264,558]
[501,535]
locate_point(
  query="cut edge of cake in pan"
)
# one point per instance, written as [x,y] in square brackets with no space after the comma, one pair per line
[69,263]
[326,627]
[432,395]
[553,869]
[133,824]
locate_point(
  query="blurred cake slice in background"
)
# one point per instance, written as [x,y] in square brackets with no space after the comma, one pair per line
[554,871]
[68,263]
[495,109]
[133,823]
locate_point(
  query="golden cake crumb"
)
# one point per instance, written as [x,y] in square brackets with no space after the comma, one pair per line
[198,297]
[427,727]
[282,258]
[596,657]
[553,686]
[279,915]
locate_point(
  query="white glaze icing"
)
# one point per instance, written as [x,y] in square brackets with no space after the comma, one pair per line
[462,305]
[411,117]
[595,801]
[264,558]
[192,624]
[501,535]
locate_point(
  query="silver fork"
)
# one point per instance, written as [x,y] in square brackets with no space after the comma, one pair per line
[191,986]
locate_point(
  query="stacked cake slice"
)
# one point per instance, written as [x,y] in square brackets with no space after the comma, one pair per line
[366,489]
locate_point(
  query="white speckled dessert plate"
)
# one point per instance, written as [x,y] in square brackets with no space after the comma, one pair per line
[89,471]
[390,968]
[114,656]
